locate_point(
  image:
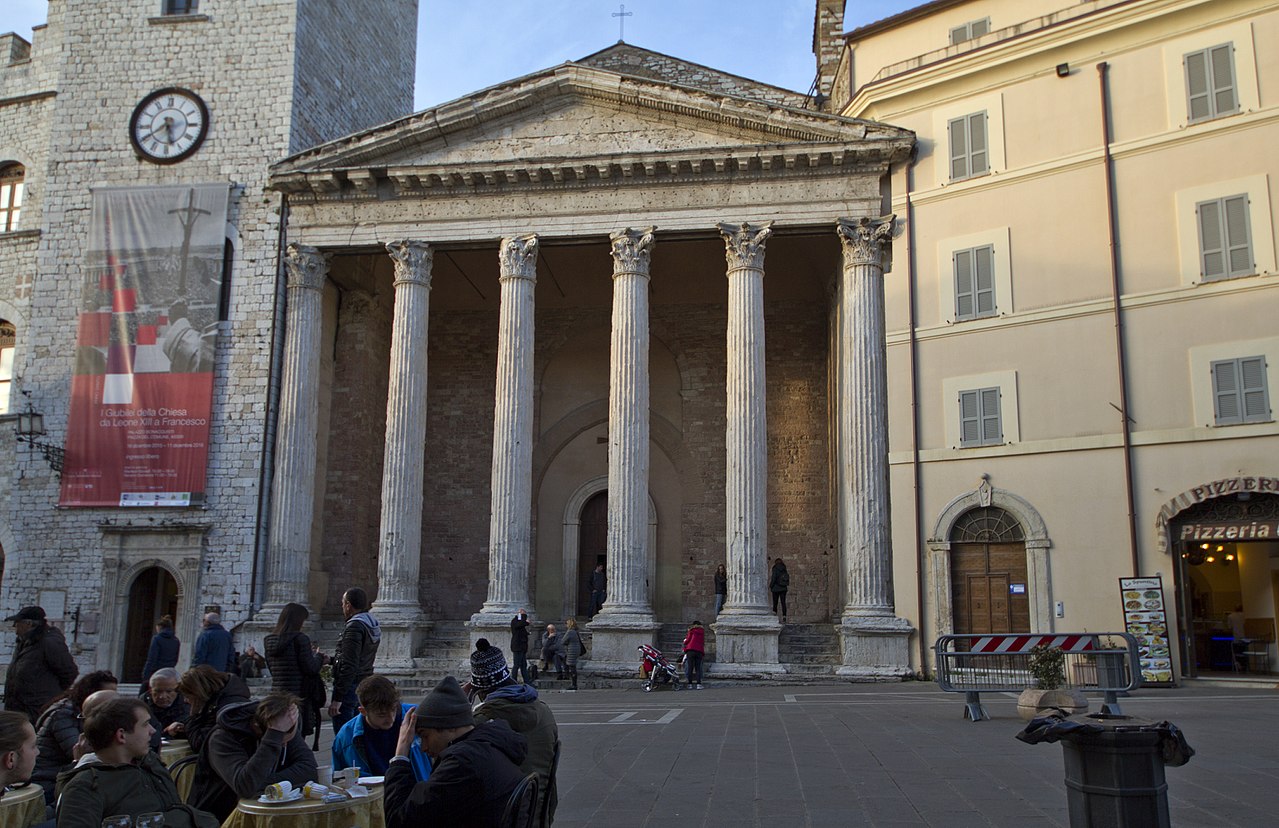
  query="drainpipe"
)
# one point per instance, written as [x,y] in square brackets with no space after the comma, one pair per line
[915,469]
[1120,358]
[270,422]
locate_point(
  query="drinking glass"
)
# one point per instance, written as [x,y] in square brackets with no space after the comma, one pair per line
[151,820]
[118,821]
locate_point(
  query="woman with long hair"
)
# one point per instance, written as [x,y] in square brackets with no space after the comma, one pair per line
[721,588]
[294,663]
[573,647]
[207,691]
[59,725]
[778,584]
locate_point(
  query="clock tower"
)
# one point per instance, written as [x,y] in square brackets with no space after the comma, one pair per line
[158,93]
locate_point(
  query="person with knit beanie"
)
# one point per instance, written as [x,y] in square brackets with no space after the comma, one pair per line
[474,768]
[488,667]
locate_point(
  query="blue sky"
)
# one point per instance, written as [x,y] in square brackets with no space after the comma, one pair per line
[467,46]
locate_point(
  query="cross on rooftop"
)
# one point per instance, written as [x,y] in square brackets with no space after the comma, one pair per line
[621,22]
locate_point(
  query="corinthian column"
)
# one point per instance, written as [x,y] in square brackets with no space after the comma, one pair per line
[746,632]
[510,521]
[875,641]
[627,618]
[400,540]
[293,487]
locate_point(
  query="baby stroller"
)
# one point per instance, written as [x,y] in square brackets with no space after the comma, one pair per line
[660,671]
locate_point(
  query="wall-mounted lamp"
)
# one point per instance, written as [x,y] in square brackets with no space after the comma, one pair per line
[1063,69]
[30,425]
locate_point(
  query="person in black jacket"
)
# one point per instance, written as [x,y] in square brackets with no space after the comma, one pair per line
[474,769]
[166,703]
[294,663]
[207,691]
[59,726]
[354,661]
[41,667]
[163,651]
[255,744]
[519,646]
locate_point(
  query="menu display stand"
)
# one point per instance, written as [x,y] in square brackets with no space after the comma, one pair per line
[1146,619]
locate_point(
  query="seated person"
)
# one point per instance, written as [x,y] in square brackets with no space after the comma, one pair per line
[252,663]
[368,741]
[254,744]
[167,705]
[17,749]
[474,768]
[58,728]
[206,691]
[127,777]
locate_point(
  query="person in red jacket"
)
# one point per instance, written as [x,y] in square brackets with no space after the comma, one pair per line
[694,650]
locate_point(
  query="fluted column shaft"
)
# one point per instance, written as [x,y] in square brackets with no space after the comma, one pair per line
[866,542]
[628,431]
[293,488]
[400,538]
[746,501]
[510,522]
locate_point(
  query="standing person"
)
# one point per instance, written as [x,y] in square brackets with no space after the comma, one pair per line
[553,651]
[519,646]
[207,691]
[294,663]
[213,646]
[163,651]
[721,588]
[166,703]
[58,728]
[573,647]
[694,652]
[517,705]
[368,741]
[17,749]
[255,744]
[778,583]
[42,666]
[354,661]
[474,768]
[599,585]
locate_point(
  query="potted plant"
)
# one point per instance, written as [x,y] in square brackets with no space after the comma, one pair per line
[1048,674]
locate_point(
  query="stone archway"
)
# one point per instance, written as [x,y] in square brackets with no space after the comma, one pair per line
[939,588]
[572,524]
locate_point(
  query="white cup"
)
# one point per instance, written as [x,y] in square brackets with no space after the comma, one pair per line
[324,775]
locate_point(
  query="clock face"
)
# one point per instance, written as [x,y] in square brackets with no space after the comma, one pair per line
[168,125]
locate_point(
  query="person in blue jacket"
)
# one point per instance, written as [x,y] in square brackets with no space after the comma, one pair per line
[213,646]
[368,741]
[163,651]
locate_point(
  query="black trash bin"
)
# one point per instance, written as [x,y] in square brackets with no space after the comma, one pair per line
[1114,767]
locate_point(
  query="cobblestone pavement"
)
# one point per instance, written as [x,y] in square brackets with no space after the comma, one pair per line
[880,755]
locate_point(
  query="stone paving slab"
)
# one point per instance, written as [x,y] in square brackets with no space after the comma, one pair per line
[879,755]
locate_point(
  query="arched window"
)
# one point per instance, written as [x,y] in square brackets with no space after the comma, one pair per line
[8,335]
[987,524]
[11,178]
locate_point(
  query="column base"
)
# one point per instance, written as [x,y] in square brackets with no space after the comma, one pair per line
[746,643]
[495,625]
[615,641]
[403,629]
[875,648]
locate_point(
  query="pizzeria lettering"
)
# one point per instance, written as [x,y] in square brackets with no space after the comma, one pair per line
[1231,531]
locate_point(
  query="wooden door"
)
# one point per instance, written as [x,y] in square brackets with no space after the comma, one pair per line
[989,589]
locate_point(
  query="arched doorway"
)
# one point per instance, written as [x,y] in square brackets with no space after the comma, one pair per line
[988,578]
[153,594]
[592,546]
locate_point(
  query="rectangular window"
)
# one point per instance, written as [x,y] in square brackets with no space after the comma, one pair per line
[1224,246]
[970,30]
[974,283]
[181,6]
[968,147]
[979,419]
[1210,83]
[1239,391]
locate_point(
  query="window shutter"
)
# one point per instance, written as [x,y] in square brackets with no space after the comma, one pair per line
[969,419]
[980,27]
[1222,66]
[1212,254]
[991,431]
[958,149]
[978,163]
[1252,372]
[985,287]
[1225,388]
[1240,255]
[964,305]
[1198,100]
[958,34]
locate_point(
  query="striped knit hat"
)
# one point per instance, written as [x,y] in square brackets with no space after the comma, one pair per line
[488,666]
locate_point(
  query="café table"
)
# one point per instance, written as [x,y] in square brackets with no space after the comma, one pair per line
[22,807]
[362,812]
[171,750]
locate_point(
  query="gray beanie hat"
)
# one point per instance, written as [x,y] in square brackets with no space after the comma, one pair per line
[445,707]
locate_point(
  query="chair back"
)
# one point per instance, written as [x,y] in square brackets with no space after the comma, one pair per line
[182,772]
[521,808]
[544,818]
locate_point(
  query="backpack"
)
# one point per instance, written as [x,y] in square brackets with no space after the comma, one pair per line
[783,581]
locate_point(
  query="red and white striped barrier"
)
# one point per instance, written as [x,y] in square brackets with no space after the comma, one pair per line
[1013,643]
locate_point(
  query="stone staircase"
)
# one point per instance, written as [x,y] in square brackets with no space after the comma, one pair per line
[809,651]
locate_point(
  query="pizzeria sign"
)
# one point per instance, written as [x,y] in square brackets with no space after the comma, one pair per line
[1251,530]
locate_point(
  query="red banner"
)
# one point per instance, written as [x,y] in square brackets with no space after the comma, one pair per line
[142,389]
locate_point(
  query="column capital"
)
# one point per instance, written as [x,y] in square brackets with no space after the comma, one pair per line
[518,257]
[307,267]
[631,250]
[413,260]
[863,239]
[744,244]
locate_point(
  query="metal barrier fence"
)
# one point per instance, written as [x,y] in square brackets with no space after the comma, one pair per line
[973,664]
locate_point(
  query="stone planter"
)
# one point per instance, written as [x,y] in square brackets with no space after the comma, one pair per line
[1033,702]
